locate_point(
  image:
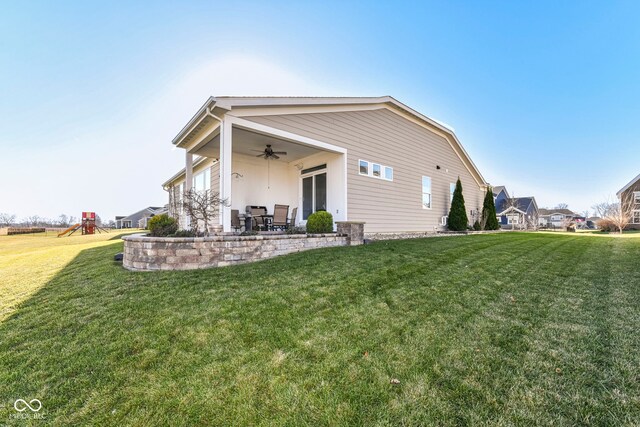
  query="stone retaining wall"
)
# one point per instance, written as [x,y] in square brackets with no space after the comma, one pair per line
[144,253]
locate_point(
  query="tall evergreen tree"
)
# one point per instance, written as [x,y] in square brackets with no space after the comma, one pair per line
[489,218]
[458,220]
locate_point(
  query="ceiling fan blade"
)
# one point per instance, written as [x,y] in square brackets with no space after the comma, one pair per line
[284,153]
[274,156]
[258,151]
[260,155]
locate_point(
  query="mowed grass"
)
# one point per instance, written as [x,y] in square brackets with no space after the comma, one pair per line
[506,329]
[29,261]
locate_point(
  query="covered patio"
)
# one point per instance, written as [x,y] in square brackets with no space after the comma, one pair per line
[306,174]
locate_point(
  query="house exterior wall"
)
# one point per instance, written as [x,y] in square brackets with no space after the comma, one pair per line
[177,188]
[627,198]
[256,182]
[384,137]
[133,220]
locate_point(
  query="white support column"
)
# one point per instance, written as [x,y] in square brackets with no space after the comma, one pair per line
[188,182]
[225,173]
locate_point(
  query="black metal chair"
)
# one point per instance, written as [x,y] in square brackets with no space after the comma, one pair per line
[236,224]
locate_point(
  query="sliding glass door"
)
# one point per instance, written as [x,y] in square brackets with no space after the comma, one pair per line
[314,194]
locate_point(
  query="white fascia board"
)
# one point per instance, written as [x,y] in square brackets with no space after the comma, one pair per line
[193,122]
[504,212]
[182,172]
[626,187]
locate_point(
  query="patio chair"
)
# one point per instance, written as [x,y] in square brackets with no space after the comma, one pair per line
[236,224]
[257,216]
[292,221]
[280,216]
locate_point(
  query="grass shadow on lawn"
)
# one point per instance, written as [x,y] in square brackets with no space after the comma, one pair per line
[495,329]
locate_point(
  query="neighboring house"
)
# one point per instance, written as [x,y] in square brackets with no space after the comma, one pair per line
[500,193]
[555,218]
[361,159]
[629,197]
[140,218]
[517,212]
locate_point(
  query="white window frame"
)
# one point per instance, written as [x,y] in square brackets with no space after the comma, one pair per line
[636,197]
[452,189]
[360,162]
[430,192]
[510,218]
[312,175]
[635,214]
[382,169]
[205,175]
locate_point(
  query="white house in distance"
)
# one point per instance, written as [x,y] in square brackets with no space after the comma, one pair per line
[367,159]
[555,218]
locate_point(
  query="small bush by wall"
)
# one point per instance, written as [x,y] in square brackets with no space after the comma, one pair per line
[320,222]
[162,225]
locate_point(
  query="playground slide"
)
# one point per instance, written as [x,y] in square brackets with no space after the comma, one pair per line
[74,227]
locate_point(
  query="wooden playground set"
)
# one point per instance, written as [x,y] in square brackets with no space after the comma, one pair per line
[88,225]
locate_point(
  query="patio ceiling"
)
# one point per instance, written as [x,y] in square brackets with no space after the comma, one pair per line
[252,143]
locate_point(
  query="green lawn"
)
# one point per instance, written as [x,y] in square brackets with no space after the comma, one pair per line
[502,329]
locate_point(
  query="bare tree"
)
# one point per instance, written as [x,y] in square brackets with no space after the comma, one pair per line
[601,209]
[615,215]
[620,214]
[63,220]
[7,220]
[532,221]
[568,222]
[561,206]
[512,205]
[202,207]
[33,220]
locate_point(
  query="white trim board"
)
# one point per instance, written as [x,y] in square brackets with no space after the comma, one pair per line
[292,137]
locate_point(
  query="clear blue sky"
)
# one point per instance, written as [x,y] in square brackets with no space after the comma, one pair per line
[545,96]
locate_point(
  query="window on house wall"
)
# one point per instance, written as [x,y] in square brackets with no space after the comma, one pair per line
[388,173]
[452,189]
[512,219]
[202,180]
[375,170]
[636,197]
[364,167]
[636,217]
[426,192]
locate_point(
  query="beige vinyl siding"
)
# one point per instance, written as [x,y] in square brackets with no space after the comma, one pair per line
[179,182]
[384,137]
[215,177]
